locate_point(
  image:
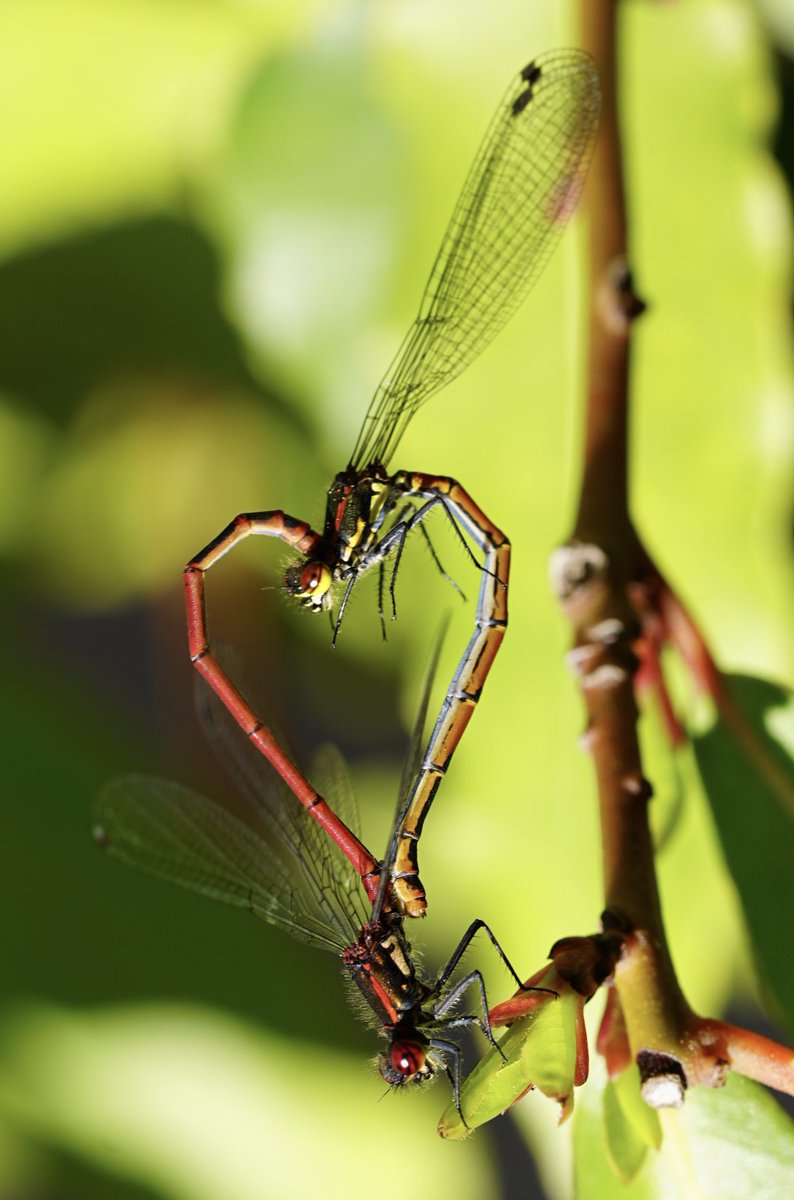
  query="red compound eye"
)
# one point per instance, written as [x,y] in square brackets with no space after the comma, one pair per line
[407,1057]
[405,1061]
[314,580]
[310,577]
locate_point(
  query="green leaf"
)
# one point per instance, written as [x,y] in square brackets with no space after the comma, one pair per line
[643,1119]
[538,1050]
[724,1144]
[748,775]
[625,1148]
[630,1126]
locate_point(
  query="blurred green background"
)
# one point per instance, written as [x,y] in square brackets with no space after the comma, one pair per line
[215,222]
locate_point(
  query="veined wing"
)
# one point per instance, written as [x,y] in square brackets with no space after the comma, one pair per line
[171,831]
[322,873]
[520,191]
[331,776]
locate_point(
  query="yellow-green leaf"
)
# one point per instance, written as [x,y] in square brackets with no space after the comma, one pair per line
[539,1051]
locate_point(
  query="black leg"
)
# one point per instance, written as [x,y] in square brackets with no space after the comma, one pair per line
[343,606]
[451,1057]
[381,618]
[463,946]
[437,561]
[453,996]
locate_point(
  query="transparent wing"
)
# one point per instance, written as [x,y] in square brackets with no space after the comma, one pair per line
[323,877]
[243,763]
[175,833]
[331,776]
[522,187]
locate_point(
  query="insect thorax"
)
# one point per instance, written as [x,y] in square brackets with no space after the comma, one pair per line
[355,508]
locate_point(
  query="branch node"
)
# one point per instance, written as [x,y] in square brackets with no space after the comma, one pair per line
[616,302]
[662,1079]
[587,740]
[586,963]
[636,786]
[582,659]
[608,675]
[574,566]
[608,632]
[612,919]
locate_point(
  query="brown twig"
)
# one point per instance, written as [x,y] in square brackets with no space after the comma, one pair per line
[622,613]
[609,589]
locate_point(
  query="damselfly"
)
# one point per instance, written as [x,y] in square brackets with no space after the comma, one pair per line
[521,189]
[277,863]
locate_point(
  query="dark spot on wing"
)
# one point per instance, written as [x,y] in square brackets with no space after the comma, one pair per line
[531,74]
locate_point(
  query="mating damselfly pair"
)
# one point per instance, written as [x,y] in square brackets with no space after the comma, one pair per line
[518,195]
